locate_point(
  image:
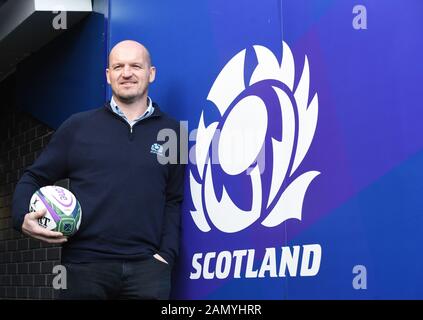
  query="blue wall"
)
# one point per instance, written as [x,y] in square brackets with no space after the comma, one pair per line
[67,75]
[364,208]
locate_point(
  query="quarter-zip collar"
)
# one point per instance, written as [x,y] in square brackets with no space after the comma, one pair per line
[156,113]
[149,110]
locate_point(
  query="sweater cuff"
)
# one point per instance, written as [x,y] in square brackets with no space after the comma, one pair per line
[17,222]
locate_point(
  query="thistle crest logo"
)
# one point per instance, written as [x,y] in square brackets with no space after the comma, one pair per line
[274,123]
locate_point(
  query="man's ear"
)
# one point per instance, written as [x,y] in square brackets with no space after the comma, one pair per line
[108,75]
[152,74]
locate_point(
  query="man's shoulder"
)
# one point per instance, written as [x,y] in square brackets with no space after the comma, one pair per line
[80,117]
[166,118]
[87,113]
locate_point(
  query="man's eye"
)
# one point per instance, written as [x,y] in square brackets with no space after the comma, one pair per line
[117,67]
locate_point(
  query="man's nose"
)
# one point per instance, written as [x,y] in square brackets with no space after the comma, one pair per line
[127,72]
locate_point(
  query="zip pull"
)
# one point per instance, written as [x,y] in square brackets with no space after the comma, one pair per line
[131,133]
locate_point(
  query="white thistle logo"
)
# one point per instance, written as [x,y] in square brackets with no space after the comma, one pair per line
[282,139]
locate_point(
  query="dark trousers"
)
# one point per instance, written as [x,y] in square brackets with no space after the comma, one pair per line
[147,279]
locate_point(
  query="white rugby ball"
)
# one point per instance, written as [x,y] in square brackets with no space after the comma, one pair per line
[63,209]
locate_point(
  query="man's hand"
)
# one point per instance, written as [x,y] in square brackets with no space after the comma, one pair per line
[160,258]
[31,228]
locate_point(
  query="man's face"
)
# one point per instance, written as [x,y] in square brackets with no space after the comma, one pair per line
[129,72]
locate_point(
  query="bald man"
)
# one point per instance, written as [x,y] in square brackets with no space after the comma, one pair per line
[129,74]
[128,239]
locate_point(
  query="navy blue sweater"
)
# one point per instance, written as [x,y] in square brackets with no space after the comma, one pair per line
[130,202]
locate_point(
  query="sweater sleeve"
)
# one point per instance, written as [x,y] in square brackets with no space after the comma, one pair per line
[169,248]
[48,168]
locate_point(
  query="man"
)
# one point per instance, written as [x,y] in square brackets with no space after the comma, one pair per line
[128,239]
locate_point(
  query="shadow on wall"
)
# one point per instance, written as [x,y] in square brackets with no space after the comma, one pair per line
[67,75]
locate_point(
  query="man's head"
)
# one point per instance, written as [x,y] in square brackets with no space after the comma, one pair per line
[130,71]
